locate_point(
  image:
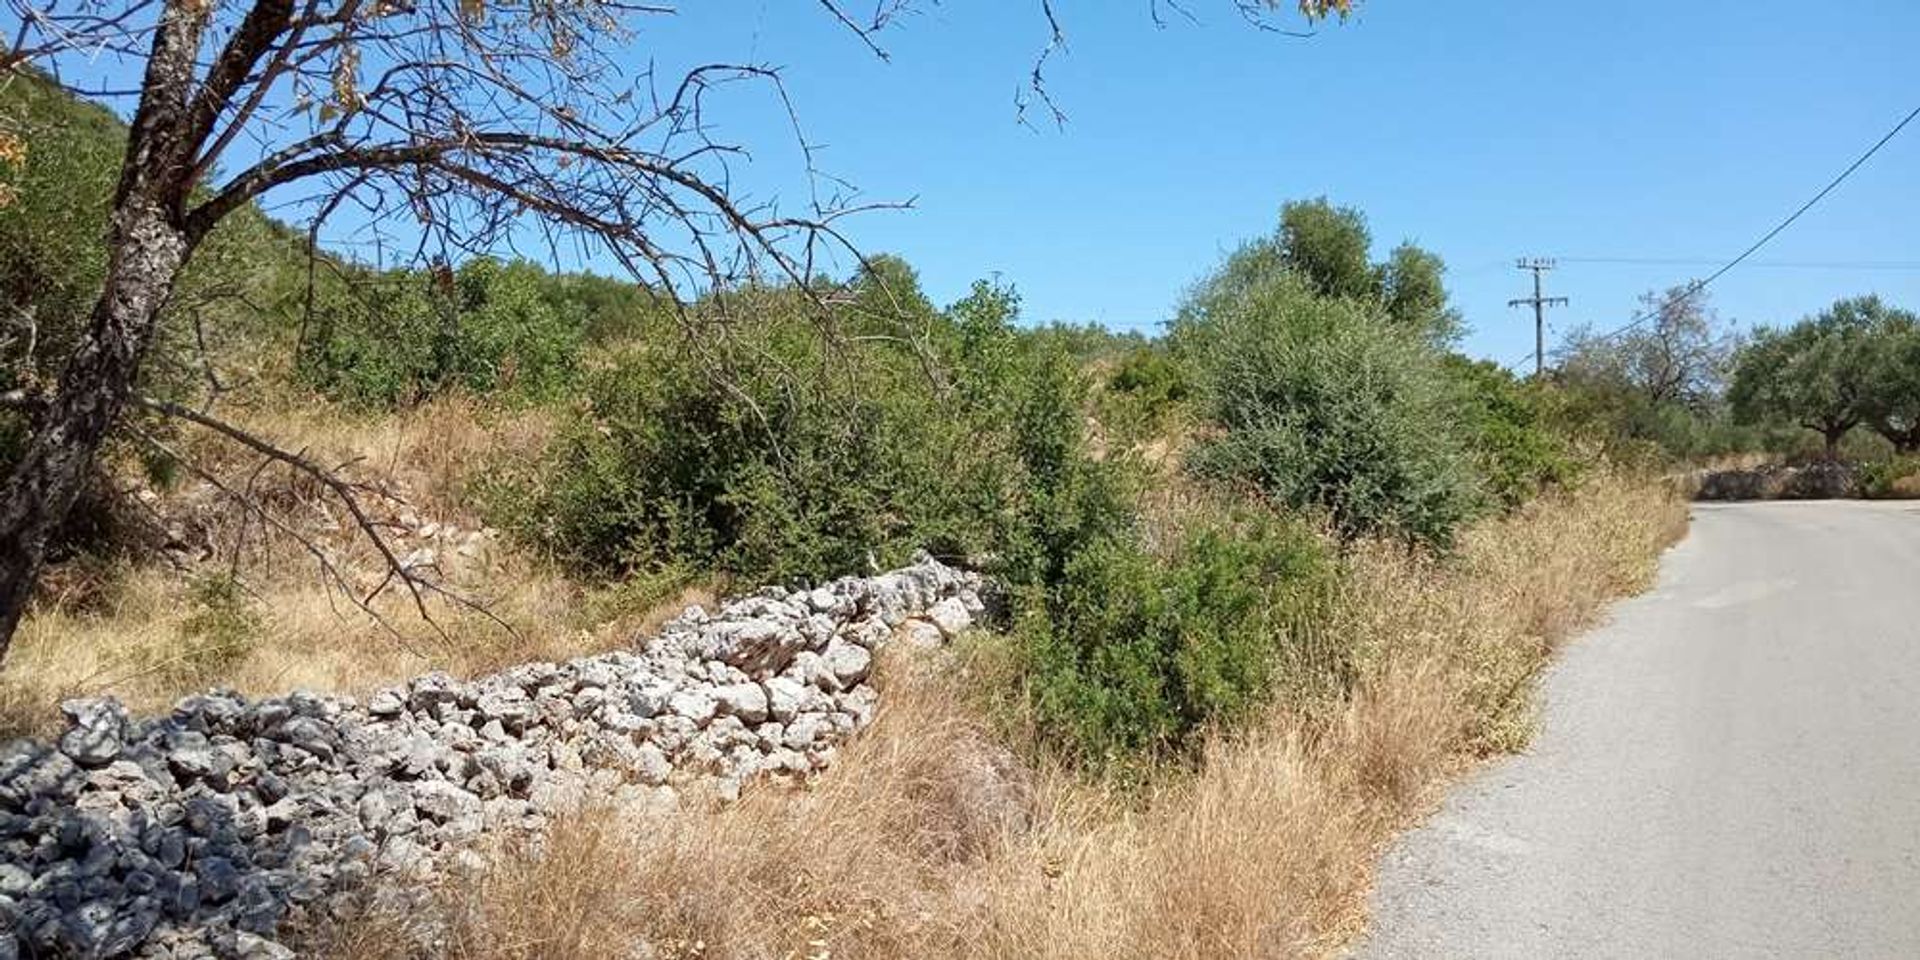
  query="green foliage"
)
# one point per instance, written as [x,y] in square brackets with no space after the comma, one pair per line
[1328,247]
[1327,405]
[1816,373]
[1133,655]
[220,631]
[1413,283]
[52,258]
[607,310]
[1655,392]
[1151,374]
[490,328]
[777,452]
[1629,428]
[54,193]
[1507,432]
[887,297]
[1890,477]
[1145,393]
[1087,342]
[1067,502]
[1893,376]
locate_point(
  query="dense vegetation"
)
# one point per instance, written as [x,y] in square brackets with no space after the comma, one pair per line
[1299,518]
[1683,387]
[1153,506]
[773,432]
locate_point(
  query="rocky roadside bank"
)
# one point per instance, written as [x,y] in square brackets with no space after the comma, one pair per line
[210,831]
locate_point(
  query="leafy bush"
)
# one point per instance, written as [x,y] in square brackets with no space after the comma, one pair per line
[1506,431]
[1132,655]
[1066,503]
[1327,405]
[772,452]
[489,327]
[59,163]
[607,310]
[52,258]
[1890,478]
[1328,246]
[1141,398]
[1152,378]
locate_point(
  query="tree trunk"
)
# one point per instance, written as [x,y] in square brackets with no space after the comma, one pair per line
[147,244]
[1833,436]
[146,254]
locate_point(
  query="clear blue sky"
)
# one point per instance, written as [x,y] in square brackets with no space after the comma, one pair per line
[1484,132]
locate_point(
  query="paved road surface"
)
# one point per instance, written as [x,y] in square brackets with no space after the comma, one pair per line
[1729,768]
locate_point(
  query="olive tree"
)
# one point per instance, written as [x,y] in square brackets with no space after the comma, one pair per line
[1893,376]
[1816,374]
[1325,403]
[1328,248]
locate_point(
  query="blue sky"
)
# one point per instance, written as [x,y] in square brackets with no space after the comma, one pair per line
[1484,132]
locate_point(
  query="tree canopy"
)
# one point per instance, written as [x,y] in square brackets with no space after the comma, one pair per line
[1816,373]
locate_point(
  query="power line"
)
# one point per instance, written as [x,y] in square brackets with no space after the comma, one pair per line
[1698,285]
[1764,264]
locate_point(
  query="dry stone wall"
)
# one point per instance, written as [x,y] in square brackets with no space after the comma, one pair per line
[210,831]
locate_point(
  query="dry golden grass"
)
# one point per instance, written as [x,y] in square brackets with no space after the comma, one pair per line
[1905,488]
[123,631]
[927,841]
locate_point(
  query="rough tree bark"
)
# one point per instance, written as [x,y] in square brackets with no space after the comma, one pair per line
[1833,433]
[148,244]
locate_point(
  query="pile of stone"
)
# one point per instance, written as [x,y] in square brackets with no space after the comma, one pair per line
[211,831]
[1815,480]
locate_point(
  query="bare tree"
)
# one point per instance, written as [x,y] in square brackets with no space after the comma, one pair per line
[477,121]
[1682,354]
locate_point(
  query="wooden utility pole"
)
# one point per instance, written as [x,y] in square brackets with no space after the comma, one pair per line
[1540,303]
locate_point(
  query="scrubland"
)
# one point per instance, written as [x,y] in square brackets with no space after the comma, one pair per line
[1266,581]
[936,837]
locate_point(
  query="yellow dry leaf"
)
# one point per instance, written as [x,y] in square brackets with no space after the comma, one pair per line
[13,149]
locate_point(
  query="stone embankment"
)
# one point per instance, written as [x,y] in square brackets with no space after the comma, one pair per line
[211,831]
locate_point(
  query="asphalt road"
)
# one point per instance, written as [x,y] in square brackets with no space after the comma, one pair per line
[1729,768]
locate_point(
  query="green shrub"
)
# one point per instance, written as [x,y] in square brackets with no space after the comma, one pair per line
[1327,405]
[1506,432]
[490,328]
[52,255]
[1633,429]
[1066,503]
[1146,387]
[239,286]
[773,452]
[1133,656]
[1891,477]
